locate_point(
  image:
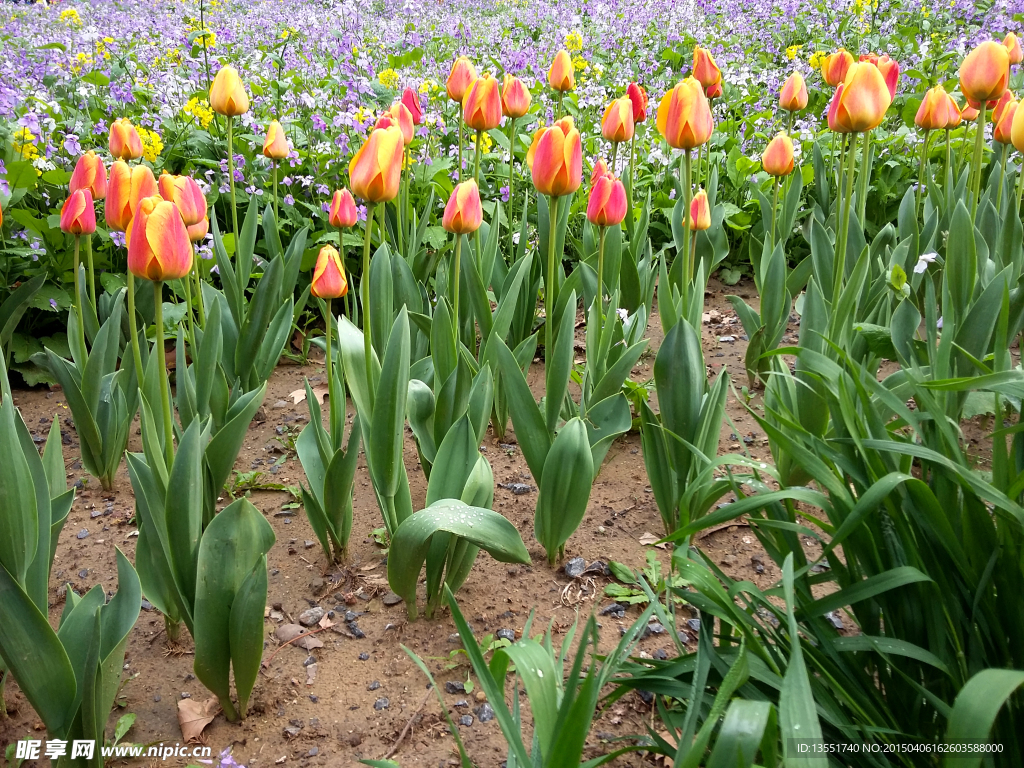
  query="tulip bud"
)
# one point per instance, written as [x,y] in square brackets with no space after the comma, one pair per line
[934,113]
[835,66]
[684,116]
[1017,130]
[1000,105]
[793,97]
[77,216]
[985,72]
[411,100]
[1012,44]
[617,123]
[462,75]
[969,113]
[713,91]
[607,204]
[329,281]
[638,96]
[556,159]
[91,174]
[562,75]
[889,68]
[481,107]
[158,244]
[515,97]
[863,101]
[700,212]
[376,170]
[198,231]
[600,169]
[275,145]
[777,159]
[953,114]
[705,70]
[343,209]
[186,194]
[463,214]
[1004,127]
[833,108]
[402,117]
[227,94]
[124,141]
[127,186]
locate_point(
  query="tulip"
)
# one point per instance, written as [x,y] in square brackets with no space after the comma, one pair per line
[124,141]
[463,214]
[935,114]
[600,169]
[77,216]
[275,145]
[481,106]
[1012,44]
[1017,130]
[862,104]
[227,94]
[562,75]
[889,68]
[833,109]
[705,70]
[1002,130]
[835,66]
[985,72]
[186,194]
[158,244]
[411,100]
[700,212]
[462,75]
[199,232]
[953,112]
[793,96]
[515,97]
[376,169]
[91,174]
[638,97]
[127,186]
[607,204]
[556,159]
[402,117]
[343,209]
[777,159]
[1000,105]
[617,123]
[713,91]
[969,113]
[329,280]
[684,116]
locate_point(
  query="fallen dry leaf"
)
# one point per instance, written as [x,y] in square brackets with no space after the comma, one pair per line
[325,623]
[649,539]
[194,716]
[320,391]
[287,632]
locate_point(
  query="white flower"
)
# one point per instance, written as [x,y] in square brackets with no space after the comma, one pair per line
[623,314]
[923,261]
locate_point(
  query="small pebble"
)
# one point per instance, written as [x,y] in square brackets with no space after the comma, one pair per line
[484,713]
[82,534]
[381,703]
[506,634]
[575,567]
[373,686]
[454,686]
[466,720]
[311,617]
[364,656]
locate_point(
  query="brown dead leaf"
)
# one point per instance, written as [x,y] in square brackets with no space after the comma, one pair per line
[194,716]
[649,539]
[325,623]
[287,632]
[320,391]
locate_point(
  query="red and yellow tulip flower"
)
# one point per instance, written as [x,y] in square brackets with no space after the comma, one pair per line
[376,169]
[464,213]
[700,212]
[985,72]
[329,281]
[606,206]
[275,145]
[126,187]
[77,215]
[860,105]
[459,79]
[227,94]
[124,142]
[158,244]
[343,211]
[705,70]
[835,65]
[481,106]
[889,68]
[556,159]
[638,96]
[1012,44]
[186,194]
[777,159]
[617,123]
[562,75]
[91,174]
[793,96]
[411,100]
[515,97]
[938,111]
[684,115]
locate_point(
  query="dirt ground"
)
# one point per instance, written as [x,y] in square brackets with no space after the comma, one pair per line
[350,699]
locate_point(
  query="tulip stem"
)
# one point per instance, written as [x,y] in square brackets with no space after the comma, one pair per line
[341,255]
[400,201]
[329,318]
[839,178]
[865,177]
[364,289]
[839,264]
[920,172]
[187,280]
[979,151]
[199,292]
[91,273]
[165,385]
[456,279]
[687,200]
[231,180]
[78,295]
[945,169]
[1020,188]
[1002,178]
[632,168]
[775,208]
[550,283]
[460,145]
[276,212]
[476,235]
[511,168]
[600,282]
[558,109]
[132,324]
[615,154]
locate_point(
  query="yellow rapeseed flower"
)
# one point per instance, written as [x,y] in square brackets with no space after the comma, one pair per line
[388,78]
[152,145]
[574,42]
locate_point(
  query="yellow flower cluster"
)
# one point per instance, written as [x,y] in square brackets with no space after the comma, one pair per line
[817,58]
[288,32]
[574,42]
[429,86]
[172,58]
[485,143]
[580,64]
[208,39]
[200,110]
[101,48]
[152,145]
[388,78]
[792,51]
[70,17]
[80,62]
[24,144]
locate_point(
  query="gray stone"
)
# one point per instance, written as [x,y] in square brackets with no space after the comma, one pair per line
[466,720]
[506,634]
[311,617]
[484,713]
[454,686]
[575,567]
[391,599]
[381,703]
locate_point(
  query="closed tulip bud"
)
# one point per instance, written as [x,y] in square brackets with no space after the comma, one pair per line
[158,244]
[329,281]
[376,170]
[463,214]
[481,107]
[343,209]
[77,216]
[607,204]
[411,100]
[700,212]
[638,96]
[863,101]
[985,72]
[275,145]
[835,66]
[777,159]
[402,117]
[227,94]
[684,115]
[889,68]
[126,187]
[969,113]
[1017,130]
[556,159]
[1012,44]
[713,91]
[793,97]
[515,97]
[91,174]
[186,194]
[562,75]
[124,142]
[1003,132]
[953,113]
[198,231]
[617,123]
[833,108]
[1000,105]
[705,70]
[462,75]
[600,169]
[933,114]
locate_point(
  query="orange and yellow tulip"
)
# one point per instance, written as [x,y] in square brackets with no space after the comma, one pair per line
[705,70]
[938,111]
[562,75]
[1012,44]
[275,145]
[158,244]
[77,215]
[1017,130]
[600,169]
[835,65]
[199,231]
[411,100]
[777,159]
[985,72]
[459,79]
[91,174]
[1003,131]
[463,214]
[515,97]
[124,142]
[863,100]
[1000,105]
[793,96]
[343,209]
[481,106]
[402,117]
[617,123]
[556,158]
[376,169]
[227,94]
[607,204]
[127,186]
[684,115]
[889,68]
[186,194]
[638,96]
[329,281]
[700,212]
